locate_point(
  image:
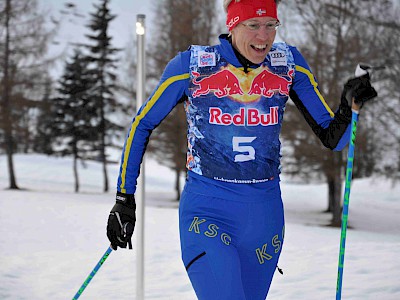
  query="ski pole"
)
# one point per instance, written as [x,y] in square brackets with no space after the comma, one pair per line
[126,232]
[91,275]
[361,70]
[345,212]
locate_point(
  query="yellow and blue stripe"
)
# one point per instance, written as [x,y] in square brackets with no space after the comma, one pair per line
[143,112]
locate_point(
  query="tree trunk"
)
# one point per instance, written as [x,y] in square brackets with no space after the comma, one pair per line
[331,195]
[9,142]
[103,152]
[105,175]
[337,204]
[177,184]
[76,173]
[335,188]
[335,191]
[9,149]
[103,125]
[103,130]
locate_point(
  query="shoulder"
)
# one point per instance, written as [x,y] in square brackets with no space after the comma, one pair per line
[203,56]
[280,55]
[290,50]
[182,60]
[299,59]
[196,50]
[178,65]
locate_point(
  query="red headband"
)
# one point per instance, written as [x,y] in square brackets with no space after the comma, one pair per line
[247,9]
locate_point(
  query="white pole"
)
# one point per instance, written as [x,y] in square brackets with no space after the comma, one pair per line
[140,192]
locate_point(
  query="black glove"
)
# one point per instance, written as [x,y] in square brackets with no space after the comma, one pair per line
[121,221]
[360,89]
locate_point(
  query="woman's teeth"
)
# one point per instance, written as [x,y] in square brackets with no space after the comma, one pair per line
[259,47]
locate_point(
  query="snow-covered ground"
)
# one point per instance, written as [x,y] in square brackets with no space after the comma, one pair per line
[51,238]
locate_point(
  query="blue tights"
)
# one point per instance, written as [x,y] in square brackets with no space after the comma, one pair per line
[231,247]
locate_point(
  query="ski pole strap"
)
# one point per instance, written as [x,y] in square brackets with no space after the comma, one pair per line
[91,275]
[345,212]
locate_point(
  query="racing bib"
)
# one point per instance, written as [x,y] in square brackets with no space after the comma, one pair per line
[234,118]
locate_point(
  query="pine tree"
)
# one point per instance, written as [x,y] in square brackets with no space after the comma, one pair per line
[102,61]
[74,113]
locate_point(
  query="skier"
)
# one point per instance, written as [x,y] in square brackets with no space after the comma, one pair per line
[231,214]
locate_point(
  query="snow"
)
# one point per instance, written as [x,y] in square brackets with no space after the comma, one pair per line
[51,238]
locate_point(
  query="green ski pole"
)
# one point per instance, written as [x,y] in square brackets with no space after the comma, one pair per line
[91,275]
[345,213]
[361,70]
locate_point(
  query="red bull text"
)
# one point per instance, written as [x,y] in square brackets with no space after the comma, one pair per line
[245,117]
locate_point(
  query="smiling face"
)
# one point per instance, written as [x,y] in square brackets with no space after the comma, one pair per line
[253,43]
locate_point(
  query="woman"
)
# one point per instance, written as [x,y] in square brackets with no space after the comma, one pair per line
[231,212]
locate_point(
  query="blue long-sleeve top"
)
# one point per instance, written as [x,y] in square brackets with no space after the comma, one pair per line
[233,126]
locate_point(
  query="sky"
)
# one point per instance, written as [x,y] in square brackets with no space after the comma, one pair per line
[72,25]
[121,28]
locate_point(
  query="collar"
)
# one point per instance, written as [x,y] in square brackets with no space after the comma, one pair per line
[233,55]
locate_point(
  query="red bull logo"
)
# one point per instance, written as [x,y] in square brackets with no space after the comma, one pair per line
[245,117]
[267,84]
[222,83]
[237,85]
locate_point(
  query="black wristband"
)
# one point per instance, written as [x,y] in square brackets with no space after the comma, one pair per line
[124,209]
[126,199]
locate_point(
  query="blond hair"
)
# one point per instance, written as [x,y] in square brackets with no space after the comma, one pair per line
[227,2]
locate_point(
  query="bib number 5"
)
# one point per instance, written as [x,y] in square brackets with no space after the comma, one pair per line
[241,144]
